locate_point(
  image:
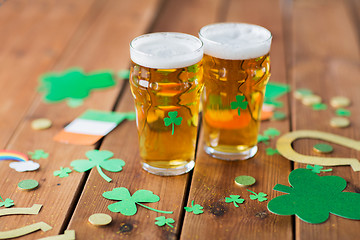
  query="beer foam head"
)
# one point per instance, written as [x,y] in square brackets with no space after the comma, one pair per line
[166,50]
[235,41]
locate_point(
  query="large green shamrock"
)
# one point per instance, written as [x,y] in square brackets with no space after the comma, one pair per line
[161,221]
[234,199]
[99,159]
[172,119]
[127,204]
[312,198]
[7,203]
[37,154]
[196,209]
[239,103]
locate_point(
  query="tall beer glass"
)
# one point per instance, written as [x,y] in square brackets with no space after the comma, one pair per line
[236,71]
[166,83]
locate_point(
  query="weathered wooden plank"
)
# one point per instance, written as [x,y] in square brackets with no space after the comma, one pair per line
[213,179]
[326,60]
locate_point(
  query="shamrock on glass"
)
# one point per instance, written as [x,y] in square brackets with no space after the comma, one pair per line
[239,103]
[172,119]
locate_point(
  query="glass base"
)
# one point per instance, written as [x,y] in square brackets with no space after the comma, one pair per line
[169,171]
[231,156]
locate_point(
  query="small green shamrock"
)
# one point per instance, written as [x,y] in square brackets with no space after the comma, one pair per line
[259,196]
[239,103]
[343,112]
[172,119]
[234,199]
[319,106]
[127,204]
[196,209]
[318,169]
[262,138]
[63,172]
[270,151]
[37,154]
[99,159]
[161,221]
[271,132]
[7,203]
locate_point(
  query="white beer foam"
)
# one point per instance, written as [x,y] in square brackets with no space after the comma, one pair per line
[235,41]
[166,50]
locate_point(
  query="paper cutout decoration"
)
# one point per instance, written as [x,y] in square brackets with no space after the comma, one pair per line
[317,168]
[28,184]
[161,221]
[234,199]
[339,122]
[68,235]
[339,101]
[195,209]
[274,91]
[100,219]
[258,196]
[127,203]
[263,138]
[63,172]
[312,198]
[284,147]
[270,151]
[278,116]
[23,164]
[25,230]
[91,126]
[7,203]
[99,159]
[35,209]
[319,106]
[73,84]
[341,112]
[172,119]
[302,92]
[240,103]
[41,124]
[323,148]
[13,155]
[37,154]
[124,74]
[271,132]
[245,180]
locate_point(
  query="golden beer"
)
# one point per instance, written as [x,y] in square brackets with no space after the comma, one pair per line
[166,89]
[236,71]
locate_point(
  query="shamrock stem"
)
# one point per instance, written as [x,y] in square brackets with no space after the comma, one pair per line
[172,133]
[155,210]
[170,225]
[103,174]
[235,204]
[1,199]
[283,188]
[239,111]
[326,170]
[252,192]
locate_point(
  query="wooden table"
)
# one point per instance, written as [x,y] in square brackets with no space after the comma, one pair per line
[315,46]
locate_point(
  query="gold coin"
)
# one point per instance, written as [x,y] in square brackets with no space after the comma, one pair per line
[311,100]
[100,219]
[339,122]
[41,123]
[338,102]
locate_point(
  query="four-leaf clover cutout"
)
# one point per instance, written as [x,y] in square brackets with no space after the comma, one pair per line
[234,199]
[99,159]
[127,203]
[37,154]
[259,196]
[172,119]
[239,103]
[161,221]
[7,203]
[63,172]
[196,209]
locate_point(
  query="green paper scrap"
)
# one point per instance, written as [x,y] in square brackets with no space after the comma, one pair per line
[274,91]
[312,198]
[262,138]
[234,199]
[240,103]
[317,168]
[278,116]
[342,112]
[63,172]
[270,151]
[73,83]
[258,196]
[74,103]
[196,209]
[127,203]
[37,154]
[172,119]
[124,74]
[271,132]
[161,221]
[319,106]
[99,159]
[7,203]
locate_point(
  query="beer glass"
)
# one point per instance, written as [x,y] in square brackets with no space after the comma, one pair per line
[166,83]
[236,70]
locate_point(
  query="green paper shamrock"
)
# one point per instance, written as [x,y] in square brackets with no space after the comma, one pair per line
[239,103]
[124,74]
[172,119]
[312,198]
[196,209]
[271,132]
[161,221]
[262,138]
[259,196]
[127,204]
[74,103]
[234,199]
[37,154]
[7,203]
[270,151]
[342,112]
[99,159]
[317,168]
[63,172]
[319,106]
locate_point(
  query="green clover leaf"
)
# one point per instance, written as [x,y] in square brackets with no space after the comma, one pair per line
[196,209]
[63,172]
[270,151]
[271,132]
[312,198]
[172,119]
[263,138]
[37,154]
[161,221]
[99,159]
[127,203]
[317,168]
[239,103]
[7,203]
[259,196]
[234,199]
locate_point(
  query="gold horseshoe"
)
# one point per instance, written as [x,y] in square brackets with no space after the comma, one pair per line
[68,235]
[25,230]
[283,145]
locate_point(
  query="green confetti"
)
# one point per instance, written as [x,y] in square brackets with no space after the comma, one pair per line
[259,196]
[7,203]
[74,103]
[239,103]
[234,199]
[63,172]
[317,169]
[99,159]
[196,209]
[161,221]
[127,203]
[342,112]
[172,119]
[271,132]
[278,116]
[263,138]
[319,106]
[37,154]
[270,151]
